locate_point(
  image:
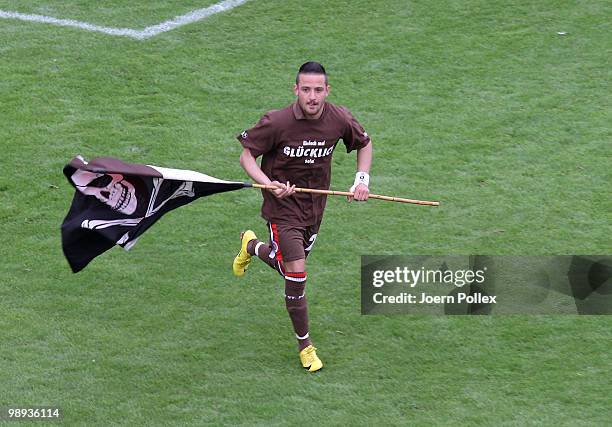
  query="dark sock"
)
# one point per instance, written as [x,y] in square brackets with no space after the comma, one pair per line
[263,253]
[297,307]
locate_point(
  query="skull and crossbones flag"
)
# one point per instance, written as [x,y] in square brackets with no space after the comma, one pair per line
[115,202]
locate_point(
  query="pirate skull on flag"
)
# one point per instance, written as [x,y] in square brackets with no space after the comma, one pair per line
[115,202]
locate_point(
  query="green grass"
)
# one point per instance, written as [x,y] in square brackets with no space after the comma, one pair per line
[111,13]
[478,104]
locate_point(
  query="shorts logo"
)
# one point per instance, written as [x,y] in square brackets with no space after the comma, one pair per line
[244,135]
[312,242]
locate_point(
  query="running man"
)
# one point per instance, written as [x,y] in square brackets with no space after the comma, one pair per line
[296,145]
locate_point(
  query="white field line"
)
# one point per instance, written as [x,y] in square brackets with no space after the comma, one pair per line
[177,21]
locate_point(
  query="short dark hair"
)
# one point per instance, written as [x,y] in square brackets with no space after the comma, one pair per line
[310,67]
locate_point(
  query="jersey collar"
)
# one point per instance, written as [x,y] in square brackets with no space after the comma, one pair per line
[299,114]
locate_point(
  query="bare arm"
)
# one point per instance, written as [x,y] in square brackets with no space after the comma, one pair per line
[364,158]
[364,161]
[250,166]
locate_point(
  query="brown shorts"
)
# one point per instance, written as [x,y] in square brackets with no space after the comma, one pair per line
[291,242]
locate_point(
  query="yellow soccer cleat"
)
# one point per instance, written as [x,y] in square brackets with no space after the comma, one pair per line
[243,259]
[310,360]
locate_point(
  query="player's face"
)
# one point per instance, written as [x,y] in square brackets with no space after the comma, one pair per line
[311,92]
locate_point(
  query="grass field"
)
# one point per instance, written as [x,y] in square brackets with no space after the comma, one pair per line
[479,104]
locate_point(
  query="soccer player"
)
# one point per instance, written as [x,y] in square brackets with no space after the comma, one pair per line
[296,144]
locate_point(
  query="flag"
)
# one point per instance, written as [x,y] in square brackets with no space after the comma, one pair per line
[115,202]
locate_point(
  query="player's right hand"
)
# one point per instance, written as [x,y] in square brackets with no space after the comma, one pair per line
[282,190]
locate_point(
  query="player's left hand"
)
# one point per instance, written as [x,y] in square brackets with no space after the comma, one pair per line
[361,193]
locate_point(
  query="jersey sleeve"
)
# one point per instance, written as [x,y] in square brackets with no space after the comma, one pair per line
[261,138]
[355,136]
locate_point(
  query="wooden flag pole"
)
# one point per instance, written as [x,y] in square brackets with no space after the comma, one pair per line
[346,193]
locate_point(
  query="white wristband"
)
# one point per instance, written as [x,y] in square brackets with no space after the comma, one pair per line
[361,178]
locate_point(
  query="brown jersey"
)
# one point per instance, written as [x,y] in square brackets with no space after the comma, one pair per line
[299,150]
